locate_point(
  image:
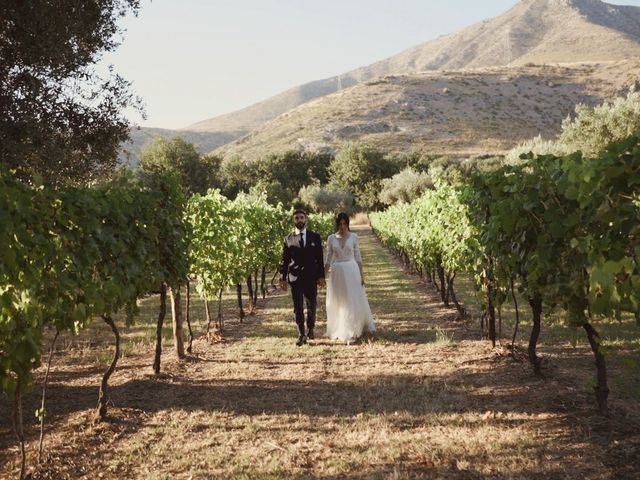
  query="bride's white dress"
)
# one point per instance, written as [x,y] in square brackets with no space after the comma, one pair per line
[348,311]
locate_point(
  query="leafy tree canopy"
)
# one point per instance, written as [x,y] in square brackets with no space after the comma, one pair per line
[405,186]
[590,130]
[177,155]
[593,128]
[359,169]
[326,199]
[59,119]
[280,176]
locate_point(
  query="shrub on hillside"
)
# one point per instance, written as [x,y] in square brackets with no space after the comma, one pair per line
[196,174]
[359,169]
[593,128]
[590,130]
[405,186]
[537,145]
[327,199]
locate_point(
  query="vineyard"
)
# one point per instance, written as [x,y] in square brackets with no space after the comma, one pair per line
[76,254]
[144,330]
[425,398]
[558,235]
[560,232]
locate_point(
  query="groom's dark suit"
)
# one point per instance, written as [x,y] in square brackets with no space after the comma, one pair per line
[302,266]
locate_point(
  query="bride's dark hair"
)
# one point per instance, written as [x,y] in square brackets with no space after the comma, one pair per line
[342,216]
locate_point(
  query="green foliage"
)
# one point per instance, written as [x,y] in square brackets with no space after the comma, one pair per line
[539,146]
[446,170]
[327,199]
[433,230]
[414,159]
[589,131]
[607,225]
[521,215]
[293,169]
[564,229]
[594,128]
[236,175]
[196,174]
[75,253]
[279,176]
[359,169]
[60,120]
[323,224]
[405,186]
[232,238]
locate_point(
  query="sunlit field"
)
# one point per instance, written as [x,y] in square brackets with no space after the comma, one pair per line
[425,397]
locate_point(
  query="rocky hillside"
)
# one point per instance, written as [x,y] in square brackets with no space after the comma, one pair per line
[458,113]
[533,31]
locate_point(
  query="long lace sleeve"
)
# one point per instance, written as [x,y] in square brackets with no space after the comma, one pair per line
[356,249]
[356,255]
[327,264]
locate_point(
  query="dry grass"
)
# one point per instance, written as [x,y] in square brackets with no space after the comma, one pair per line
[424,398]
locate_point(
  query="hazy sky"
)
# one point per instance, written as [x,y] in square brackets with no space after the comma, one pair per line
[194,59]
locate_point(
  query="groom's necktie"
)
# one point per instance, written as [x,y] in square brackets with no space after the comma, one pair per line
[301,240]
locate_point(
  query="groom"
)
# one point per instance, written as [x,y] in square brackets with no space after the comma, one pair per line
[302,267]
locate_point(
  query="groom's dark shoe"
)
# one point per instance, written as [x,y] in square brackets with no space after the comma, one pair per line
[310,335]
[301,340]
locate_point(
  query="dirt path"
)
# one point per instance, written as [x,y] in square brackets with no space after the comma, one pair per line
[423,399]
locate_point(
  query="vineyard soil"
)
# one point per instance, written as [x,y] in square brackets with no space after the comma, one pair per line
[424,398]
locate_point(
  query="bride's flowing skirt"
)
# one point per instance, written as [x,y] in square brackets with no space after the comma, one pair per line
[348,311]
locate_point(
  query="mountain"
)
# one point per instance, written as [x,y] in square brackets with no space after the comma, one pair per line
[533,31]
[459,112]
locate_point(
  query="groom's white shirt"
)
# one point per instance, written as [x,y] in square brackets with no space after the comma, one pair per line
[304,234]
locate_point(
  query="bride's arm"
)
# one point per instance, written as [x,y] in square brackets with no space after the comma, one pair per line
[327,264]
[358,257]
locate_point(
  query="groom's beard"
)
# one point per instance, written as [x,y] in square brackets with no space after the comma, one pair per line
[300,225]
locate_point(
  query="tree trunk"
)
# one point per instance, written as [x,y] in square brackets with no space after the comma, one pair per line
[18,426]
[263,282]
[461,311]
[207,313]
[44,396]
[102,395]
[432,278]
[250,293]
[161,314]
[601,389]
[447,295]
[176,314]
[515,304]
[255,289]
[491,311]
[440,272]
[275,274]
[491,320]
[240,309]
[188,317]
[220,310]
[536,311]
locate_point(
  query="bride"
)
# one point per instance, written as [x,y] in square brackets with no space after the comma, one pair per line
[348,312]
